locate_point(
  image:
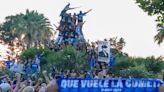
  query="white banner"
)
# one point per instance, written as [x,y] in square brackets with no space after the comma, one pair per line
[103,51]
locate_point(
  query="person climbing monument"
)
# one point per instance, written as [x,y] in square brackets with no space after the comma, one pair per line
[81,15]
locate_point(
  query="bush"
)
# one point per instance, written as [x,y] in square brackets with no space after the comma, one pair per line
[30,53]
[136,72]
[70,58]
[67,58]
[122,64]
[154,65]
[138,67]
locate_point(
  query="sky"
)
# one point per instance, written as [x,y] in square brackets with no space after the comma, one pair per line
[109,18]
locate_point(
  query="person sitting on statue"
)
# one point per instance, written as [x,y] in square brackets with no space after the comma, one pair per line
[63,14]
[63,20]
[81,14]
[66,8]
[60,38]
[71,24]
[72,37]
[74,18]
[69,17]
[71,28]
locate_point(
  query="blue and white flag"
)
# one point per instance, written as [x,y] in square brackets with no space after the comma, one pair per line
[109,85]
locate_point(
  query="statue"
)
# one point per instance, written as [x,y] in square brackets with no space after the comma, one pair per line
[70,28]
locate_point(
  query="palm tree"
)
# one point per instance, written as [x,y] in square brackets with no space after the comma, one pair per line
[159,37]
[28,28]
[120,44]
[117,44]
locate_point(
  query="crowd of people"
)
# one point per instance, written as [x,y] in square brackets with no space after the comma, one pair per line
[25,77]
[23,81]
[70,28]
[25,74]
[19,83]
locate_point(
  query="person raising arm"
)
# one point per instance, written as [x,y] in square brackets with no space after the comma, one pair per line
[52,85]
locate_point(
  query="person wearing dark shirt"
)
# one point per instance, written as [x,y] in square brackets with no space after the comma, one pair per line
[66,8]
[74,18]
[69,19]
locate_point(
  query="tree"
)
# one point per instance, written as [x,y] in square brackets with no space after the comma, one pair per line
[154,65]
[117,45]
[27,28]
[155,8]
[149,67]
[70,58]
[67,58]
[136,72]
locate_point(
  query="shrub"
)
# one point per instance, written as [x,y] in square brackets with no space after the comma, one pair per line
[136,72]
[67,58]
[154,65]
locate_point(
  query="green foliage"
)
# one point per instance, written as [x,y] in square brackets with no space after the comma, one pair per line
[6,72]
[154,65]
[122,64]
[28,28]
[68,58]
[139,61]
[138,67]
[117,44]
[136,72]
[163,76]
[30,53]
[155,8]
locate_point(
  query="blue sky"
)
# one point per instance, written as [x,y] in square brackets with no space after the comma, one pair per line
[109,18]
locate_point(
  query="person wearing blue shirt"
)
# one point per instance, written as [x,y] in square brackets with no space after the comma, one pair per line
[34,67]
[112,61]
[27,69]
[92,62]
[81,15]
[9,62]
